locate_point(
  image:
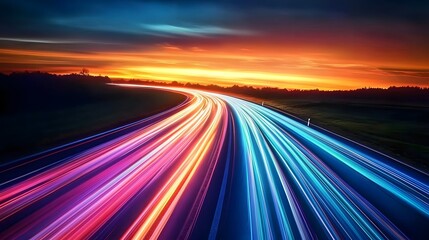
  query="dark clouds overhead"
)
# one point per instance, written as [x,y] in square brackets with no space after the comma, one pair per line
[127,24]
[311,43]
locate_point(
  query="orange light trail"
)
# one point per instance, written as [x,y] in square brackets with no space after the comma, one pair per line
[212,167]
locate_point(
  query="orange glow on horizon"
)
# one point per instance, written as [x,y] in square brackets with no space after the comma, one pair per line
[228,65]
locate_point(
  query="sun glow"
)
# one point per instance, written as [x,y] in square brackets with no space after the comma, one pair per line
[225,66]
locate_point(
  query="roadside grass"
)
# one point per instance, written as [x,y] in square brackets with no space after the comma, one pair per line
[399,129]
[29,130]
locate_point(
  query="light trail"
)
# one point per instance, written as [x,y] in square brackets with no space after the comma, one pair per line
[212,167]
[282,171]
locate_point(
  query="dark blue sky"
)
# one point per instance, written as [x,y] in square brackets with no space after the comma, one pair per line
[146,22]
[388,36]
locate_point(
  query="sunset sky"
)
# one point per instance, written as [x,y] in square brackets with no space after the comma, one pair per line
[303,44]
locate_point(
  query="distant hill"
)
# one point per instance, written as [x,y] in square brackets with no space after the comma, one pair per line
[21,87]
[407,93]
[36,90]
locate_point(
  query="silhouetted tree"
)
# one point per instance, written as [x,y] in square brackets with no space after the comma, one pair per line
[84,72]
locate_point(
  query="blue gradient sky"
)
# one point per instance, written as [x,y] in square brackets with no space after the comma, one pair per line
[294,44]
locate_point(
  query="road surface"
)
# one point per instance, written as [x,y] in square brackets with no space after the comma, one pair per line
[213,167]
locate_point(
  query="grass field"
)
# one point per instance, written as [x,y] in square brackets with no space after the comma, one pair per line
[49,113]
[37,122]
[399,129]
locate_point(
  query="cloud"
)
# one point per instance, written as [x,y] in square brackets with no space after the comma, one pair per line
[410,72]
[194,31]
[167,46]
[379,31]
[136,23]
[46,41]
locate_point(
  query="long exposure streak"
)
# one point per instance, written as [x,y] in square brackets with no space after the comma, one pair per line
[213,167]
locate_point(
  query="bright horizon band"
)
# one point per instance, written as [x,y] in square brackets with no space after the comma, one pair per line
[213,167]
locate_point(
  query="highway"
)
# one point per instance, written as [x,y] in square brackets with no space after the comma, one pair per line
[213,167]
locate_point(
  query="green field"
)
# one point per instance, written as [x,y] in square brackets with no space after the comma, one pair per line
[399,129]
[92,109]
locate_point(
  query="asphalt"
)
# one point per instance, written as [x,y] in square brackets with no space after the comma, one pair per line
[213,167]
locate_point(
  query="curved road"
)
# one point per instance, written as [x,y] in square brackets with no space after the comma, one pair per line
[213,167]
